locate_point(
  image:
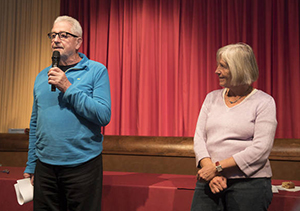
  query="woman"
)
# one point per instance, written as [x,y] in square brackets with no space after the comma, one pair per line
[234,137]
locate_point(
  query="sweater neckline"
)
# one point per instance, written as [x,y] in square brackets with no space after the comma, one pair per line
[254,90]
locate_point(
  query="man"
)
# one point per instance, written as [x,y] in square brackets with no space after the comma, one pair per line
[65,140]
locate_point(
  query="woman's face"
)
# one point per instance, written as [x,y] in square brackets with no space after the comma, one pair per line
[223,73]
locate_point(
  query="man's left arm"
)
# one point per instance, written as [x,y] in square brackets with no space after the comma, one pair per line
[95,108]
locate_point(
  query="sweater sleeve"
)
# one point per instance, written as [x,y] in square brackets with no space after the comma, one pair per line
[200,134]
[31,163]
[96,108]
[254,157]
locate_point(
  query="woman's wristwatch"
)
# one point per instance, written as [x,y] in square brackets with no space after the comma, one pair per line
[218,167]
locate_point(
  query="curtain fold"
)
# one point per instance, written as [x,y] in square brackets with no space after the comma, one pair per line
[160,55]
[24,51]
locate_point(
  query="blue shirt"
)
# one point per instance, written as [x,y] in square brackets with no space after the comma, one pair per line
[65,128]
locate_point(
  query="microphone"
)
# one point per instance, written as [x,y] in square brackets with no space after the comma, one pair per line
[55,62]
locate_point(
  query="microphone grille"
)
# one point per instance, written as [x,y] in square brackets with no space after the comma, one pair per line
[56,54]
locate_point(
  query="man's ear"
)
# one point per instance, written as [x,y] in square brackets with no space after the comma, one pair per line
[78,43]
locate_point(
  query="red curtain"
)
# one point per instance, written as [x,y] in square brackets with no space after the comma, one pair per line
[160,55]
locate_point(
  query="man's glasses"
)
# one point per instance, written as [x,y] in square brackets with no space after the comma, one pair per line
[61,35]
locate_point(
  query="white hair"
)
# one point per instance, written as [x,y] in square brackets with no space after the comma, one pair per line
[75,25]
[241,62]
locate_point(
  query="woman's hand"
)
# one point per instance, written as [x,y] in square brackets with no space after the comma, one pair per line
[208,168]
[207,172]
[218,184]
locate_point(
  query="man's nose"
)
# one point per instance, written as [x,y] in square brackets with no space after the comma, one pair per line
[56,38]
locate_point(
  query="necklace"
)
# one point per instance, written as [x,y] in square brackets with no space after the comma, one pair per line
[232,102]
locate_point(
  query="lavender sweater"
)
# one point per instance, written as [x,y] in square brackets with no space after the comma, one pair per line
[245,132]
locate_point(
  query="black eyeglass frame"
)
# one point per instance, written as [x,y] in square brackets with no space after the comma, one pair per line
[59,34]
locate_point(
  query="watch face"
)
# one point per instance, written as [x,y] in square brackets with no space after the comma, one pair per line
[219,168]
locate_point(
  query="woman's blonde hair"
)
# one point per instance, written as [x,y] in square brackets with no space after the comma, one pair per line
[241,62]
